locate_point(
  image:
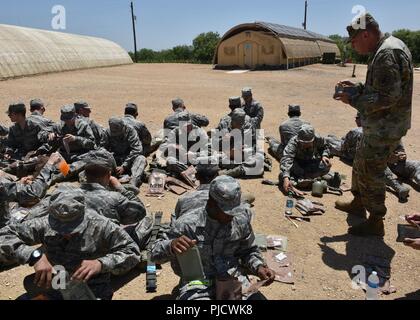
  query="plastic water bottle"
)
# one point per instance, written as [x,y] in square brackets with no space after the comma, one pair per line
[372,287]
[290,204]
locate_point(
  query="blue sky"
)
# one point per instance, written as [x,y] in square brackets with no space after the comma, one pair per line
[164,24]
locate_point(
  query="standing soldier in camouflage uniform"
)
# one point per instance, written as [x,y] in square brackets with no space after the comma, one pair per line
[385,106]
[26,195]
[24,135]
[83,111]
[122,141]
[37,114]
[251,162]
[88,246]
[306,157]
[287,130]
[130,115]
[224,237]
[234,103]
[252,108]
[178,106]
[73,132]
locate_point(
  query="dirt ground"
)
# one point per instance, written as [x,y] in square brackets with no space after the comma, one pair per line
[324,254]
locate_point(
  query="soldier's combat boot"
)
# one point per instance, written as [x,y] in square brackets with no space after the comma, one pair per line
[374,226]
[354,207]
[234,173]
[402,190]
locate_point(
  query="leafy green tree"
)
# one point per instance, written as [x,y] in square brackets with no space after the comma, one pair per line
[204,46]
[183,53]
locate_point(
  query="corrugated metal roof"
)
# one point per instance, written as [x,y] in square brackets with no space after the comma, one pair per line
[286,31]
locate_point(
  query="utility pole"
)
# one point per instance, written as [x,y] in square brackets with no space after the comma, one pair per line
[306,15]
[133,17]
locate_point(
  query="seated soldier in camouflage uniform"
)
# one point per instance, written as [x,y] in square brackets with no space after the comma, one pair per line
[403,169]
[306,157]
[37,108]
[178,106]
[252,108]
[206,173]
[24,136]
[26,194]
[73,136]
[240,137]
[130,115]
[345,148]
[287,130]
[223,233]
[234,103]
[184,145]
[105,195]
[88,246]
[4,131]
[83,111]
[122,141]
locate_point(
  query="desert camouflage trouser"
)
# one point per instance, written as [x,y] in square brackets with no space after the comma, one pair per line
[369,167]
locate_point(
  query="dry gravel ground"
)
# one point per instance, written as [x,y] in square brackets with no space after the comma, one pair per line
[324,253]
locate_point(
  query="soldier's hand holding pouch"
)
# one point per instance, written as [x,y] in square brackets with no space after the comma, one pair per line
[182,244]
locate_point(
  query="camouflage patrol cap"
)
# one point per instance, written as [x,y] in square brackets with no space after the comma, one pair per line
[226,191]
[294,108]
[81,105]
[16,107]
[67,211]
[359,24]
[177,103]
[235,102]
[246,92]
[131,107]
[68,112]
[238,116]
[306,134]
[116,126]
[101,158]
[36,104]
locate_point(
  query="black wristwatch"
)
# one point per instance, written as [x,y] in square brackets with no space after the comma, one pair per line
[35,257]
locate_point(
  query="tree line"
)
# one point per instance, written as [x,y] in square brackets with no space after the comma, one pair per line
[410,38]
[201,51]
[204,45]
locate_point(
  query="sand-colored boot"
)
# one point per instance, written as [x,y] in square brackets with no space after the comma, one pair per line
[374,226]
[354,207]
